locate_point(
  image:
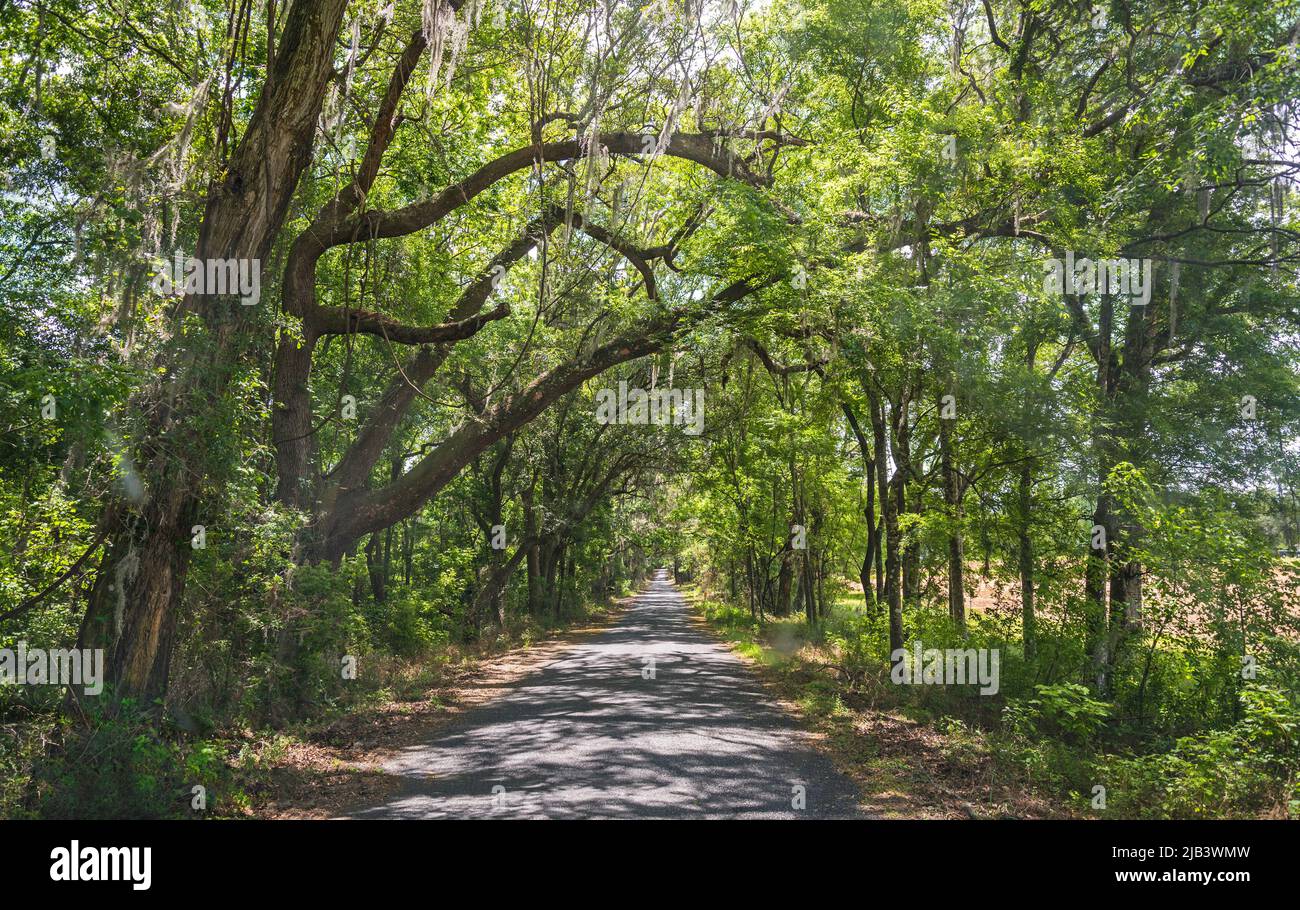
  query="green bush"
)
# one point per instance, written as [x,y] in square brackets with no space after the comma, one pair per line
[121,768]
[403,624]
[1066,710]
[1245,770]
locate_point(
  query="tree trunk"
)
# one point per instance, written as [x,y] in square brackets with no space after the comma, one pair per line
[133,606]
[902,438]
[1025,549]
[868,511]
[533,555]
[785,581]
[550,559]
[375,568]
[1098,568]
[809,585]
[952,499]
[1095,577]
[490,597]
[892,494]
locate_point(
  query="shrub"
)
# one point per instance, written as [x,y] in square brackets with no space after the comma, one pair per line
[122,768]
[1248,768]
[1066,710]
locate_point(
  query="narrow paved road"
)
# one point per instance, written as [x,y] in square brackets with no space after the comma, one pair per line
[589,736]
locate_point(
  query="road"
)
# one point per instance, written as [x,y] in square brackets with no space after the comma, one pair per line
[650,718]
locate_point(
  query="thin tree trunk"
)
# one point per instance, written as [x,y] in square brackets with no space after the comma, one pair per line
[952,499]
[869,510]
[891,498]
[1025,549]
[375,569]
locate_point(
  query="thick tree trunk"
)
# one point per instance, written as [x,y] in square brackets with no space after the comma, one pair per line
[572,577]
[133,607]
[552,556]
[1130,381]
[490,599]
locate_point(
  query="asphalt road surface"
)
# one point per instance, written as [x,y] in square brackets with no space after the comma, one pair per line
[590,736]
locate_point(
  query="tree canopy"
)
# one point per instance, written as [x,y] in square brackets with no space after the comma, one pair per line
[341,328]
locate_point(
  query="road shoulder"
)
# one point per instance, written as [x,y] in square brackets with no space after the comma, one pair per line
[903,769]
[338,768]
